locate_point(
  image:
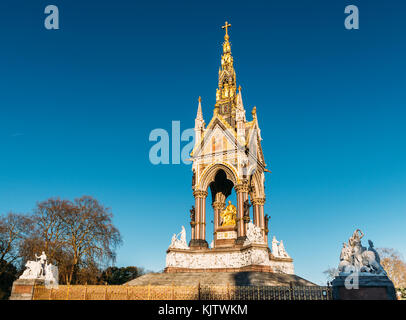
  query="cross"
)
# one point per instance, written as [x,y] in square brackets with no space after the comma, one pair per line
[226,27]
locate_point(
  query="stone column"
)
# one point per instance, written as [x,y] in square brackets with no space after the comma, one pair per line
[196,223]
[203,217]
[199,239]
[218,207]
[259,218]
[242,196]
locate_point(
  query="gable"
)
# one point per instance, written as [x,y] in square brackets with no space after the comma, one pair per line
[254,144]
[218,137]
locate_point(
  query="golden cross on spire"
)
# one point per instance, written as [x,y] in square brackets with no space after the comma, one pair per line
[226,26]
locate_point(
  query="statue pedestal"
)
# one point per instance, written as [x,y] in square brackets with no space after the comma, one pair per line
[225,236]
[23,289]
[370,287]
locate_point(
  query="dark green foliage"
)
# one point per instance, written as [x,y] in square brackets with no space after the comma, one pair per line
[6,279]
[118,276]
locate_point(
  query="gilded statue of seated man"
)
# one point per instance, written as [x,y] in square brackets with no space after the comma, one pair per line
[228,215]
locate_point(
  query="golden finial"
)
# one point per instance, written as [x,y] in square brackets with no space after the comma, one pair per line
[200,99]
[226,26]
[239,88]
[254,112]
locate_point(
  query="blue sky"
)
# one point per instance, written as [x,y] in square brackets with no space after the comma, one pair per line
[77,106]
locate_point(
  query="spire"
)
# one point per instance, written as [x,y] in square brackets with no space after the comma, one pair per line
[199,121]
[240,112]
[240,105]
[199,115]
[226,92]
[254,113]
[255,120]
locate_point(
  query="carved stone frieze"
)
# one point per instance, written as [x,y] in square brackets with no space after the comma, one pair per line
[221,260]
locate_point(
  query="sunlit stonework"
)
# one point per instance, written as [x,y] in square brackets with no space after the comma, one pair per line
[227,156]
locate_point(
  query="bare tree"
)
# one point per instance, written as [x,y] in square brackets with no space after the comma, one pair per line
[331,273]
[50,217]
[48,234]
[14,228]
[89,235]
[79,237]
[394,265]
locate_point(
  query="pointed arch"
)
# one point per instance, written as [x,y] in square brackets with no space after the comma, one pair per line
[257,184]
[209,174]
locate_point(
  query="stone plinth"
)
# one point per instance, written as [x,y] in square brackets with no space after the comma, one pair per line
[225,236]
[252,257]
[370,287]
[23,289]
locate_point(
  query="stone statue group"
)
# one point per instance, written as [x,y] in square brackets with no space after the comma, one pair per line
[356,258]
[254,234]
[278,249]
[179,241]
[41,269]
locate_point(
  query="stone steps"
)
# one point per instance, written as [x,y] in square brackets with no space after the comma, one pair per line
[220,278]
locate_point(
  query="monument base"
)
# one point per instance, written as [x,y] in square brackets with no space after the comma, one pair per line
[23,289]
[370,287]
[252,257]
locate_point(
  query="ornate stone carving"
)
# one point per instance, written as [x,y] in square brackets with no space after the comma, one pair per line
[226,235]
[179,243]
[40,269]
[220,260]
[32,270]
[275,247]
[356,258]
[220,197]
[278,249]
[282,251]
[254,234]
[218,205]
[258,201]
[241,188]
[200,194]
